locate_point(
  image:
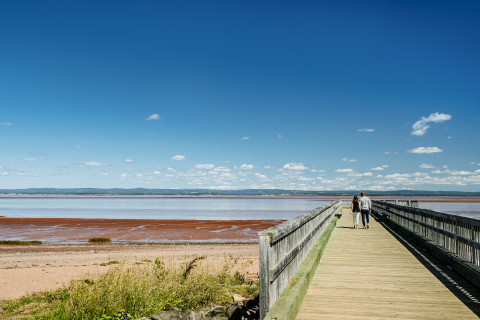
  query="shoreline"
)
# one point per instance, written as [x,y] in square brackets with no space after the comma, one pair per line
[79,230]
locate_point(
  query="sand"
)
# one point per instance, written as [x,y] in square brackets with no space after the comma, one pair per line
[29,269]
[66,255]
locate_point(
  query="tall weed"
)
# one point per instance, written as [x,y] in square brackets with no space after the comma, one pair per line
[139,290]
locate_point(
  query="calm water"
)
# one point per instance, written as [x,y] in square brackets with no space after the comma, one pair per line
[465,209]
[178,208]
[199,209]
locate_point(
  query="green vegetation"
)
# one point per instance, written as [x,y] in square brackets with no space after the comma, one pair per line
[16,242]
[99,240]
[131,292]
[109,263]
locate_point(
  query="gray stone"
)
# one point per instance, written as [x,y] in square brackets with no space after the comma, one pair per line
[167,315]
[230,311]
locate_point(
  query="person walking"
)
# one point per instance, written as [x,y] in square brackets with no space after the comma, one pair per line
[355,211]
[365,206]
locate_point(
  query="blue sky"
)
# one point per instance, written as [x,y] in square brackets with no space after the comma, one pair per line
[316,95]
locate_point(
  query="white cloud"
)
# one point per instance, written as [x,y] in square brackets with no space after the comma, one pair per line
[153,117]
[421,126]
[207,166]
[426,166]
[245,138]
[425,150]
[390,152]
[377,169]
[93,164]
[246,166]
[128,160]
[294,166]
[222,169]
[349,160]
[29,159]
[7,124]
[317,170]
[366,130]
[279,136]
[343,170]
[260,176]
[366,174]
[178,157]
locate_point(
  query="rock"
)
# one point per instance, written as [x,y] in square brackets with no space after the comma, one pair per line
[167,315]
[231,310]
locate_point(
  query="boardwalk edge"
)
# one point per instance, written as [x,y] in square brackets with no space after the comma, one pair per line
[288,304]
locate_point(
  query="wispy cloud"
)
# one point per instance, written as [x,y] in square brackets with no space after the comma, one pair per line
[93,164]
[344,170]
[245,138]
[366,130]
[425,150]
[279,136]
[178,157]
[349,160]
[154,116]
[128,160]
[426,166]
[246,166]
[421,126]
[207,166]
[294,166]
[7,124]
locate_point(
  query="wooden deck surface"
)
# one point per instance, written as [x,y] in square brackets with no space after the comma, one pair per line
[369,274]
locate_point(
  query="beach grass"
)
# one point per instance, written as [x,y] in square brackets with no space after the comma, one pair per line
[99,240]
[134,291]
[17,242]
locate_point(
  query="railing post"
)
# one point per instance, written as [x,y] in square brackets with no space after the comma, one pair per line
[264,279]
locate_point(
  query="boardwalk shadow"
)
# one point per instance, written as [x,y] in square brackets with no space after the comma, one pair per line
[459,286]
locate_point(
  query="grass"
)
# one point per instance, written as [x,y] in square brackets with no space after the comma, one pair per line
[17,242]
[99,240]
[132,292]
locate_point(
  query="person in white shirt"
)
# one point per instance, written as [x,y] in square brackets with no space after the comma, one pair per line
[365,206]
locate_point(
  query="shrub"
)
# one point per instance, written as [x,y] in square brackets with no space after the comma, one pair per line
[131,292]
[99,240]
[17,242]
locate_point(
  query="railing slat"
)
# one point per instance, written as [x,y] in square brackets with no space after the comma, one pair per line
[454,233]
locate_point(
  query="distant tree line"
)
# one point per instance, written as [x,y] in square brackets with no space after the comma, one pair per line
[244,192]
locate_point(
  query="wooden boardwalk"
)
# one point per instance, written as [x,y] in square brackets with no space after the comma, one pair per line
[369,274]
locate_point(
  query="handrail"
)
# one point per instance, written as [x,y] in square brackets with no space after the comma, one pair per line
[282,249]
[456,234]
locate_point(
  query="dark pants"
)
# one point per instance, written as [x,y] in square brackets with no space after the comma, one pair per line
[365,213]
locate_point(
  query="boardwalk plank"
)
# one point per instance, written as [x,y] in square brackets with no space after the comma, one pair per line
[368,274]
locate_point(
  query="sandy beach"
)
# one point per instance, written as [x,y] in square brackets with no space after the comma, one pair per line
[28,269]
[66,253]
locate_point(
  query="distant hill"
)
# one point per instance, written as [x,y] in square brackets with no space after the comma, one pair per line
[245,192]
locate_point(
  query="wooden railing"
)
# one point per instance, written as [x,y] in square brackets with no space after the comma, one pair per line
[284,247]
[456,234]
[402,202]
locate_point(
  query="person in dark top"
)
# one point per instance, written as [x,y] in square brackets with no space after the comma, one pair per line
[355,211]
